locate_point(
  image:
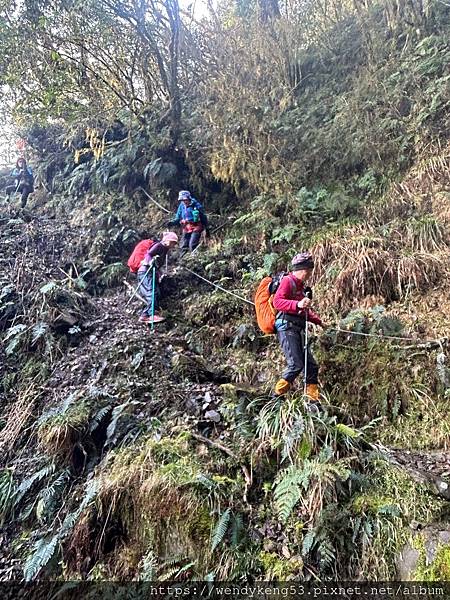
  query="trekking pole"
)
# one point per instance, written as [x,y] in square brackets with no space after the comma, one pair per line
[138,286]
[14,194]
[308,294]
[153,296]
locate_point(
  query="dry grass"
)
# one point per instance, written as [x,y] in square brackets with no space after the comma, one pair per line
[18,416]
[387,260]
[147,492]
[59,433]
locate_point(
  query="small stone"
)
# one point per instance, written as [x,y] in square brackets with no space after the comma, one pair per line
[212,415]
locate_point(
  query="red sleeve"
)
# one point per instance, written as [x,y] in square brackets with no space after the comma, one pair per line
[282,300]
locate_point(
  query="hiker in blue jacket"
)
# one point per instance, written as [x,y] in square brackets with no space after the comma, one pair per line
[192,219]
[23,181]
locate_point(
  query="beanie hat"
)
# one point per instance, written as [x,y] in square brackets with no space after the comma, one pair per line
[302,261]
[169,236]
[184,195]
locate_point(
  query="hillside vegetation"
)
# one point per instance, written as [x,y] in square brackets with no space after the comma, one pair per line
[129,454]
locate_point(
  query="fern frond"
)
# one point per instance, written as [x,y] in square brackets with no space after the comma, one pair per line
[39,331]
[327,554]
[7,494]
[287,490]
[43,552]
[98,417]
[308,542]
[26,484]
[221,529]
[237,527]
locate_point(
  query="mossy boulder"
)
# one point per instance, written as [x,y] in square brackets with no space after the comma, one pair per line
[427,556]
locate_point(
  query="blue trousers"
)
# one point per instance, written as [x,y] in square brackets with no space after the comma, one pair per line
[146,291]
[190,240]
[292,342]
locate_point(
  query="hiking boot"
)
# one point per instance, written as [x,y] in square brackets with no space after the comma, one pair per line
[312,402]
[156,319]
[147,319]
[312,391]
[282,386]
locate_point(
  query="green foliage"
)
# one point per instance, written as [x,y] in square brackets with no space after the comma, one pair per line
[292,482]
[43,551]
[221,529]
[373,320]
[436,570]
[7,494]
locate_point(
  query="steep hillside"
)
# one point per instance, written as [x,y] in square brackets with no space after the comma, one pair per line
[129,453]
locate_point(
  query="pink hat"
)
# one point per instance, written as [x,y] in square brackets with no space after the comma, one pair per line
[169,236]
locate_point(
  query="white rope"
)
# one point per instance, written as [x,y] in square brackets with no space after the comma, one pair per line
[388,337]
[219,287]
[377,335]
[154,201]
[374,335]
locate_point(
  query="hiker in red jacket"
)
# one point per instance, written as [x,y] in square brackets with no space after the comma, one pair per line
[155,256]
[292,306]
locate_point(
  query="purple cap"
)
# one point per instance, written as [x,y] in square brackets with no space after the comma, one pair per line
[302,261]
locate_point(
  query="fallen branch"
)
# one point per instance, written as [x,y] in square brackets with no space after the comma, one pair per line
[435,484]
[131,288]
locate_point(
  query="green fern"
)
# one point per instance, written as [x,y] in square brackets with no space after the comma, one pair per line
[308,542]
[327,554]
[288,488]
[112,274]
[49,495]
[237,528]
[98,417]
[7,494]
[27,484]
[15,337]
[43,552]
[293,481]
[221,529]
[39,331]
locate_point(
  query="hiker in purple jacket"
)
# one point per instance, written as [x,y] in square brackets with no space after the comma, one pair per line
[155,256]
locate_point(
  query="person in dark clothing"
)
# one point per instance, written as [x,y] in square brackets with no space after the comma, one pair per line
[293,306]
[23,181]
[192,219]
[154,257]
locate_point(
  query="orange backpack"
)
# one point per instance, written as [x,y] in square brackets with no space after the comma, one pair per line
[138,254]
[265,311]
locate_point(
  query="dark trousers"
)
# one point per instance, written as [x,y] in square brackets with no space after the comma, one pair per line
[23,189]
[190,240]
[146,291]
[293,345]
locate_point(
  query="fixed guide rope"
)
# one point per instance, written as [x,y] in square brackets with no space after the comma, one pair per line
[339,329]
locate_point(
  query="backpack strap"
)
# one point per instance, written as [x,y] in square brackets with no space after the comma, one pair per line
[280,315]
